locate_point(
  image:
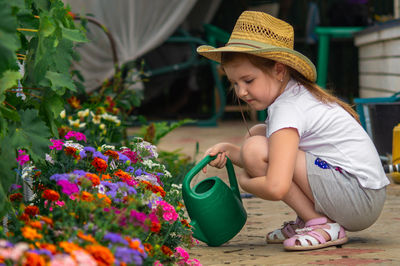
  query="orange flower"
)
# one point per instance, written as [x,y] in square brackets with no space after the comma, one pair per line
[51,195]
[104,199]
[166,250]
[102,255]
[35,224]
[149,249]
[105,177]
[123,175]
[50,247]
[112,153]
[94,178]
[31,210]
[16,197]
[68,247]
[185,223]
[158,189]
[30,233]
[74,102]
[72,151]
[88,238]
[99,164]
[33,259]
[86,196]
[135,244]
[47,220]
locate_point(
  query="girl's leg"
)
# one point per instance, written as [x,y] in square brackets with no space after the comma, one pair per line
[299,197]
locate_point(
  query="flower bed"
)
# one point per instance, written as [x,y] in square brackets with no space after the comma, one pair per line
[96,206]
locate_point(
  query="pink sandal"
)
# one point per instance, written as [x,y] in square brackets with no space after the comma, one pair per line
[308,238]
[287,230]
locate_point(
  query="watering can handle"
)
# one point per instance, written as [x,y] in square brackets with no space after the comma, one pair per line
[197,168]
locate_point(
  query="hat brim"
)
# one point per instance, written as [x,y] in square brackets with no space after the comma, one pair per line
[283,55]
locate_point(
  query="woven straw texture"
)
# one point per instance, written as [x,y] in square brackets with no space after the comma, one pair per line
[263,35]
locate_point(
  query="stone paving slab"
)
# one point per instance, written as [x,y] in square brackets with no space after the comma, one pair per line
[377,245]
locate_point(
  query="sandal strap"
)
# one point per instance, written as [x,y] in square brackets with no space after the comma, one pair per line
[286,228]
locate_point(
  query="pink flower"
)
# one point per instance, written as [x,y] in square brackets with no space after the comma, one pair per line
[83,258]
[169,213]
[67,187]
[22,157]
[62,260]
[158,263]
[182,253]
[77,135]
[60,203]
[57,144]
[133,156]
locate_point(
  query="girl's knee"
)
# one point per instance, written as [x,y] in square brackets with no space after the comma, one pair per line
[254,154]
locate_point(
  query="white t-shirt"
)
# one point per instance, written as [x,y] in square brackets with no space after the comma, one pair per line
[328,132]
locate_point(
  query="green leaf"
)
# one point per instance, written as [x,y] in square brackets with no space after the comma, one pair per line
[9,79]
[59,81]
[53,104]
[9,41]
[47,27]
[74,35]
[7,163]
[9,113]
[31,134]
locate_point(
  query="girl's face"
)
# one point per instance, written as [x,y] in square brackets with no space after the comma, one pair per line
[251,84]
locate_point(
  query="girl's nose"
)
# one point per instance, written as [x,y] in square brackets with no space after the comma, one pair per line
[241,91]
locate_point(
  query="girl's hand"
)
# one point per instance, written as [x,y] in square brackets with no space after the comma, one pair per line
[220,160]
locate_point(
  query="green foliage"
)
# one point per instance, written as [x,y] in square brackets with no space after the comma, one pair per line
[40,35]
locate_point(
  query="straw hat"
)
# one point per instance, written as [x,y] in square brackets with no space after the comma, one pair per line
[263,35]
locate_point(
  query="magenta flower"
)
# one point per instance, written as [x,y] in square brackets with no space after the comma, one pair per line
[57,144]
[169,213]
[22,157]
[67,187]
[77,135]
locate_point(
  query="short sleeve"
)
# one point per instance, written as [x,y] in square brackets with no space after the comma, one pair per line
[285,115]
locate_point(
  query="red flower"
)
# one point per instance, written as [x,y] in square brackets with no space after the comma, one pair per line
[93,178]
[155,227]
[31,210]
[51,195]
[166,250]
[16,197]
[99,164]
[112,153]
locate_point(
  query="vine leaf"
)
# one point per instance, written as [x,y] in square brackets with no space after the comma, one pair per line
[31,134]
[7,163]
[60,81]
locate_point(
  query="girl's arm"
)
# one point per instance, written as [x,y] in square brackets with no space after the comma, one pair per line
[282,151]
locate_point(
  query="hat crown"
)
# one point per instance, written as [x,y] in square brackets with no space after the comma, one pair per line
[262,28]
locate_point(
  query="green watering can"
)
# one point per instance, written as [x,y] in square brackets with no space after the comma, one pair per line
[216,210]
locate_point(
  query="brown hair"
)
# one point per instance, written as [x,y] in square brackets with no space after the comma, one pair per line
[266,65]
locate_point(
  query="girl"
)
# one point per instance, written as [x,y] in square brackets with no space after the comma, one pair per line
[311,152]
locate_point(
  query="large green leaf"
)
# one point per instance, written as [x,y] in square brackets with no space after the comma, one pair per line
[9,79]
[9,41]
[31,134]
[74,35]
[7,163]
[52,105]
[60,81]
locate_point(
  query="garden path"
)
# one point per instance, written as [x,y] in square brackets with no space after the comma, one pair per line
[379,244]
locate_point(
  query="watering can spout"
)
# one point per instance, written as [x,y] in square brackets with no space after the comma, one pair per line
[197,233]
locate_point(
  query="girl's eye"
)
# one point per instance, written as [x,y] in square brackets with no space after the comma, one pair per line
[249,81]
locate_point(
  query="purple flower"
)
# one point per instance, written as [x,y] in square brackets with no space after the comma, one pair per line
[123,157]
[58,177]
[129,256]
[79,172]
[115,238]
[14,187]
[82,154]
[100,155]
[130,169]
[67,187]
[90,149]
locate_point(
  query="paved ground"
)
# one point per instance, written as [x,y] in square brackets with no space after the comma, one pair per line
[379,244]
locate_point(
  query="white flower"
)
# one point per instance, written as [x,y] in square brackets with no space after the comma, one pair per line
[111,118]
[49,158]
[107,147]
[63,114]
[70,143]
[96,118]
[76,123]
[102,126]
[83,113]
